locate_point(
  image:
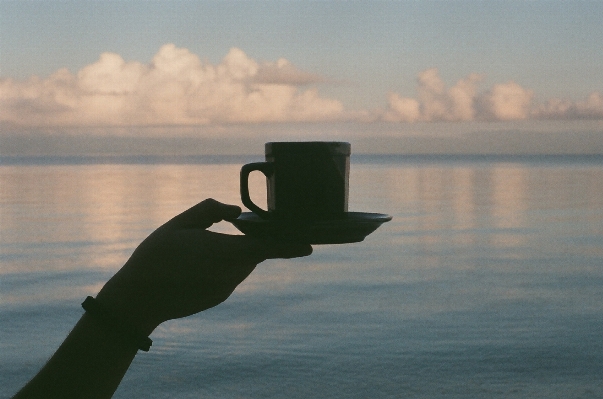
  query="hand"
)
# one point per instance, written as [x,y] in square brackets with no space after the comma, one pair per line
[182,268]
[179,270]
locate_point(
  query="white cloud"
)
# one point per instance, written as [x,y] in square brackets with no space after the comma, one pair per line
[175,88]
[441,104]
[505,101]
[502,102]
[402,109]
[435,101]
[589,108]
[283,72]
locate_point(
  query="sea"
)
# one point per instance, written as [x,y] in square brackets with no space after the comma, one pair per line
[487,283]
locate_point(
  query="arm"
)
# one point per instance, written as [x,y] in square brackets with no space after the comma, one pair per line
[179,270]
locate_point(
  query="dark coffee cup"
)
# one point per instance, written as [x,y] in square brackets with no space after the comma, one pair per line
[305,180]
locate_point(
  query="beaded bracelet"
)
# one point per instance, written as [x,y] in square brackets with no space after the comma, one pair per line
[93,308]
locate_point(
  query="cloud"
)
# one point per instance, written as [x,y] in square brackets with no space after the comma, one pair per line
[435,101]
[502,102]
[175,88]
[402,109]
[589,108]
[283,72]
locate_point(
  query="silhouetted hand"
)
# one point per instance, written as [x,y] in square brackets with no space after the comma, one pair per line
[179,270]
[182,268]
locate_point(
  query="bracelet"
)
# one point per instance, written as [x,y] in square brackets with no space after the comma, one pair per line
[92,307]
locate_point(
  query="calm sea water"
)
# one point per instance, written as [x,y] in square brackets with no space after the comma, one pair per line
[488,283]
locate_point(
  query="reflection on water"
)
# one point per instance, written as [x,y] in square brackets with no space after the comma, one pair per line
[487,283]
[108,208]
[467,200]
[509,203]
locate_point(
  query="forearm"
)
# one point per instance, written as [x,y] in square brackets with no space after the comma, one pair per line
[90,363]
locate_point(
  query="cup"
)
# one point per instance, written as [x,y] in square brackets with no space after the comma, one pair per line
[305,180]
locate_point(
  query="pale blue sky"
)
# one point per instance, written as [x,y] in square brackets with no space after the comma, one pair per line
[368,48]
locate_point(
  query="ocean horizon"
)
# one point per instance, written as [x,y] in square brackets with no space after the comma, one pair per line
[167,144]
[361,158]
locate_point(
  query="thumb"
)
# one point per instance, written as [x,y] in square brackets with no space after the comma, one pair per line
[204,214]
[274,249]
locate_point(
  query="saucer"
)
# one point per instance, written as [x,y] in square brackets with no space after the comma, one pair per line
[352,227]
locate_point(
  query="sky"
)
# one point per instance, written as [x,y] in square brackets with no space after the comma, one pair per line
[224,68]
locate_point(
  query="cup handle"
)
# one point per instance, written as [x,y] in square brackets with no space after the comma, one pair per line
[267,168]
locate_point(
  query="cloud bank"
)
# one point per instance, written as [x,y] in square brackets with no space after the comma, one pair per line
[502,102]
[177,88]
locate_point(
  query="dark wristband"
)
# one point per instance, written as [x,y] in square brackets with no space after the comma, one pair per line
[94,309]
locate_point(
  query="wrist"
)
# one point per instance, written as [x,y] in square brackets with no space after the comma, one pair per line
[122,329]
[129,310]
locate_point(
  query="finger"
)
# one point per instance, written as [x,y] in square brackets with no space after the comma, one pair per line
[262,249]
[238,249]
[286,250]
[204,214]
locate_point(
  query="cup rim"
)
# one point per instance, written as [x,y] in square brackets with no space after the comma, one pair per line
[333,147]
